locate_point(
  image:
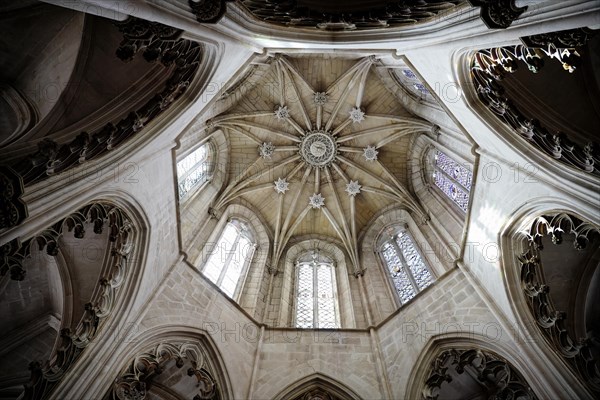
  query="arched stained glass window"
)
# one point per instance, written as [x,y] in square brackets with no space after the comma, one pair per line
[316,294]
[452,178]
[194,169]
[407,268]
[230,257]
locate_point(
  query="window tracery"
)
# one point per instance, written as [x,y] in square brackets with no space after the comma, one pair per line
[194,169]
[452,178]
[406,266]
[230,257]
[316,295]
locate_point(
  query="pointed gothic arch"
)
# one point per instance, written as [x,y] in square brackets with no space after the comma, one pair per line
[180,361]
[250,297]
[97,253]
[317,387]
[327,247]
[554,302]
[452,364]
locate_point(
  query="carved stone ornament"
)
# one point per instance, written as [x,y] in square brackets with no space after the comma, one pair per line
[208,11]
[385,15]
[318,149]
[44,376]
[498,14]
[487,71]
[357,115]
[569,39]
[266,150]
[316,200]
[370,153]
[353,188]
[158,43]
[281,112]
[12,209]
[552,322]
[282,185]
[317,394]
[320,98]
[499,377]
[134,382]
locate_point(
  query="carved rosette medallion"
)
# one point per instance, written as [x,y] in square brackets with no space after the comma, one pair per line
[318,148]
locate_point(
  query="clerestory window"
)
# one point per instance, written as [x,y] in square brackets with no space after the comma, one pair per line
[316,294]
[194,169]
[408,271]
[230,256]
[452,178]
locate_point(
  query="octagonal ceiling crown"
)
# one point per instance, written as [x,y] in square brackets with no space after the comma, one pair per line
[318,147]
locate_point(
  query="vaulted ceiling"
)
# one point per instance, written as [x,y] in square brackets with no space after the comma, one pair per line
[318,146]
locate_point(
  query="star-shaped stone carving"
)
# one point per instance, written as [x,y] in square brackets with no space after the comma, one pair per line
[281,185]
[316,200]
[266,150]
[370,153]
[320,98]
[353,188]
[282,112]
[357,115]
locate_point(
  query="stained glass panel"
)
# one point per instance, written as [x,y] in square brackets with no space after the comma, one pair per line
[409,74]
[417,267]
[462,175]
[452,190]
[421,88]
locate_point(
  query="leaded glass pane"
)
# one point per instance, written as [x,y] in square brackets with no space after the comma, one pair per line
[227,259]
[417,267]
[421,88]
[191,160]
[193,170]
[219,253]
[399,277]
[452,190]
[213,266]
[325,297]
[409,74]
[462,175]
[304,298]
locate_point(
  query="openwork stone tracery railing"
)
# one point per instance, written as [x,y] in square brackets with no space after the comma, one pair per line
[391,14]
[501,379]
[133,383]
[552,323]
[121,236]
[488,68]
